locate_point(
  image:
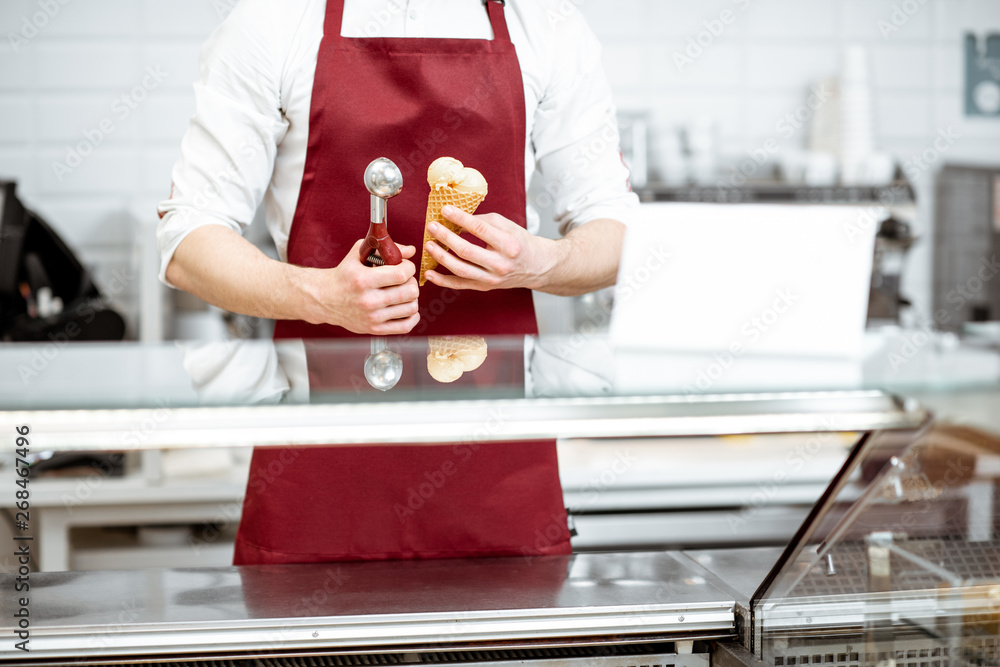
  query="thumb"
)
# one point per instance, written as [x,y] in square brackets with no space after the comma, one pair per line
[354,254]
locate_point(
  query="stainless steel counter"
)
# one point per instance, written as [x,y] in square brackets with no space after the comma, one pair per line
[390,605]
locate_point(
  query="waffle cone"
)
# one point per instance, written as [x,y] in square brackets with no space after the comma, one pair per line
[438,199]
[454,346]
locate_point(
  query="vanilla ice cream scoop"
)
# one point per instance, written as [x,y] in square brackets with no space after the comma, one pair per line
[471,181]
[447,172]
[443,172]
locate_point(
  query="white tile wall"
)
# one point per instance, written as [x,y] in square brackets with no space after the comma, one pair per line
[65,79]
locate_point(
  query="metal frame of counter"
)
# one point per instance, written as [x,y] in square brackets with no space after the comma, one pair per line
[462,421]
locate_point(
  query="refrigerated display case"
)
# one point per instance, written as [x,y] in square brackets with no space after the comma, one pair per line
[896,560]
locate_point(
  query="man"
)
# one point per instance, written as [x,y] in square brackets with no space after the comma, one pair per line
[295,99]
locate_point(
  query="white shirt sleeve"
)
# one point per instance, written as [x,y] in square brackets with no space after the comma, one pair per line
[227,155]
[575,133]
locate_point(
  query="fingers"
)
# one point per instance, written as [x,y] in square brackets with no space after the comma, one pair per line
[487,227]
[454,282]
[387,276]
[405,293]
[460,267]
[398,312]
[464,249]
[375,317]
[396,327]
[364,277]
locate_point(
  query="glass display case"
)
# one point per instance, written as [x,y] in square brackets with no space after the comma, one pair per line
[896,564]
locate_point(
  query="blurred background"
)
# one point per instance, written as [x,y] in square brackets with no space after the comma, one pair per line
[722,100]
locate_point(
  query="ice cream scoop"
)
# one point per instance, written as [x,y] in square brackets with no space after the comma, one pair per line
[471,181]
[383,180]
[443,172]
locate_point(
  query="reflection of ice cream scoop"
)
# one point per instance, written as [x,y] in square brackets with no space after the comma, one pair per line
[448,357]
[443,172]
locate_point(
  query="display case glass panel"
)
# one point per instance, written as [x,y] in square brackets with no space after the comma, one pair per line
[899,563]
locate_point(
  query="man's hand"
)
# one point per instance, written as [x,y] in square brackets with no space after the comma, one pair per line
[512,257]
[379,300]
[584,260]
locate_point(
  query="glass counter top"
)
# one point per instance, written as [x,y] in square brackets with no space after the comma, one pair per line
[240,373]
[460,389]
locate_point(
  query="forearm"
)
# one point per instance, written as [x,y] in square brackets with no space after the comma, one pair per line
[585,260]
[221,267]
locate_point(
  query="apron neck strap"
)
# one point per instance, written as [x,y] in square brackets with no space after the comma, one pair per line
[334,21]
[497,20]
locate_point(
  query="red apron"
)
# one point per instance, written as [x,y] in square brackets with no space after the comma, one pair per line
[411,100]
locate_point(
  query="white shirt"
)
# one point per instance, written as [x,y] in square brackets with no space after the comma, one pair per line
[247,140]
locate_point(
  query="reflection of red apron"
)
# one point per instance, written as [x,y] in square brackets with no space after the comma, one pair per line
[411,100]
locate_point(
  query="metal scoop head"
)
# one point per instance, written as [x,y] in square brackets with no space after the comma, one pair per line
[383,178]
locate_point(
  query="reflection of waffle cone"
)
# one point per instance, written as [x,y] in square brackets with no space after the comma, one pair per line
[438,199]
[450,356]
